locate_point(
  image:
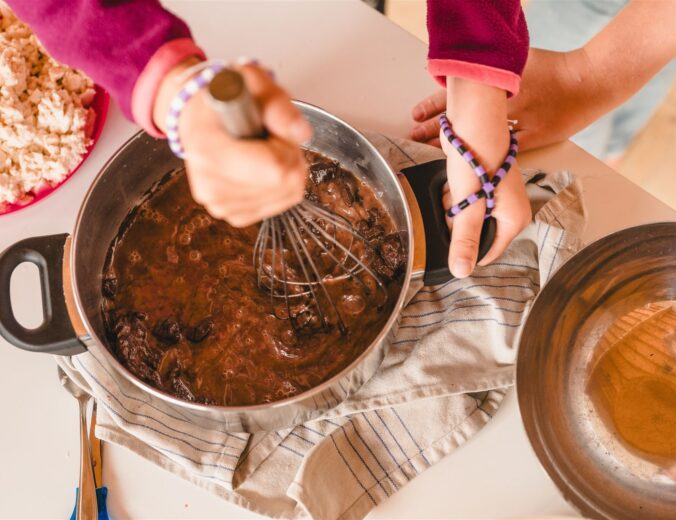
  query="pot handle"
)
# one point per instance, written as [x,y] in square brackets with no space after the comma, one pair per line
[55,335]
[427,181]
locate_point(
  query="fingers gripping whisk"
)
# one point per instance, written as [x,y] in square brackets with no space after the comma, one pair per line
[303,257]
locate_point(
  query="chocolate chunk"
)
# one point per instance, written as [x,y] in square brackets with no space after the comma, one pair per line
[131,325]
[200,331]
[380,267]
[392,252]
[182,389]
[323,171]
[131,341]
[370,232]
[109,287]
[167,331]
[311,195]
[374,216]
[306,320]
[349,192]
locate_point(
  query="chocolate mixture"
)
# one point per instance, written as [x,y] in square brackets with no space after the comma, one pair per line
[184,312]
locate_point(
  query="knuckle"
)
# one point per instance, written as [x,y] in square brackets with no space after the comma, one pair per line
[466,242]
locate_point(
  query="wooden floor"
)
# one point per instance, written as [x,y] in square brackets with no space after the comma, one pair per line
[650,160]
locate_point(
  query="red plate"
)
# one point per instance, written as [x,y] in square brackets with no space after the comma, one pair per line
[100,107]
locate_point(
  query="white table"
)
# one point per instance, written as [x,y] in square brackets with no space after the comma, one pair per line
[350,60]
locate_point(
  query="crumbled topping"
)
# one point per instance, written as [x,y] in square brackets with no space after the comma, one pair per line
[44,114]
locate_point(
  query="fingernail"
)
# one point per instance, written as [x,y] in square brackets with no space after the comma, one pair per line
[300,131]
[418,113]
[417,133]
[462,268]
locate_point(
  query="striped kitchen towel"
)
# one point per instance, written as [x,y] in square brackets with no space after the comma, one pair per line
[443,378]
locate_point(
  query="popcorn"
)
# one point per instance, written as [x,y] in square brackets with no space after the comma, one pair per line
[44,117]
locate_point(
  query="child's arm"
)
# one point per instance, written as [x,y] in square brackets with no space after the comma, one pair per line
[137,50]
[478,49]
[112,42]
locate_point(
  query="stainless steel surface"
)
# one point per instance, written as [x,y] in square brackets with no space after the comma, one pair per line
[585,458]
[229,97]
[86,507]
[305,292]
[141,163]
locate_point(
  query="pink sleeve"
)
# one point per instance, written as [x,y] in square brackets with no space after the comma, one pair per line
[147,84]
[112,41]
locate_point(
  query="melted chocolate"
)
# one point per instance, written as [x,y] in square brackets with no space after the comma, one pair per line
[185,314]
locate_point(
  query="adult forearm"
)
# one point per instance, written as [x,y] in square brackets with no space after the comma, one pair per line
[631,49]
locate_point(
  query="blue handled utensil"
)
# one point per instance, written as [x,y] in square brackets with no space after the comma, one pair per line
[97,467]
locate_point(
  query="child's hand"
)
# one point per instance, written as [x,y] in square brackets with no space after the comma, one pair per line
[242,181]
[478,115]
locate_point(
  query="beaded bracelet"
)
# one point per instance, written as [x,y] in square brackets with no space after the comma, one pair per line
[205,72]
[195,84]
[487,185]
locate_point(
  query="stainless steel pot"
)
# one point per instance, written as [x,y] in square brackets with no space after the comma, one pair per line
[71,266]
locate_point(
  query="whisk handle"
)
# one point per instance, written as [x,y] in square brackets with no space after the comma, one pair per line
[239,112]
[427,182]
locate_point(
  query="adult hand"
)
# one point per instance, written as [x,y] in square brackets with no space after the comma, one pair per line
[426,114]
[241,181]
[553,103]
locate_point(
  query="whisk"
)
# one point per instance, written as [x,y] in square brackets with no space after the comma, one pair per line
[301,253]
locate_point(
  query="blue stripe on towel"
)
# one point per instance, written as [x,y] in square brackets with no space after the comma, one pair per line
[396,442]
[117,414]
[475,286]
[544,240]
[354,426]
[376,480]
[556,252]
[394,411]
[384,444]
[182,419]
[351,470]
[84,369]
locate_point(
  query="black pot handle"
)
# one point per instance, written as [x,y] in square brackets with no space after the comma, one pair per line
[427,182]
[55,335]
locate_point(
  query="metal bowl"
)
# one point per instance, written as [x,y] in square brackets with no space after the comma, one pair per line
[585,457]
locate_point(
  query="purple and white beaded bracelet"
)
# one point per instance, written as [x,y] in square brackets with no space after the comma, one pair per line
[487,185]
[198,82]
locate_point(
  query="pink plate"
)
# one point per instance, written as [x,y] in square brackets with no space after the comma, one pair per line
[100,107]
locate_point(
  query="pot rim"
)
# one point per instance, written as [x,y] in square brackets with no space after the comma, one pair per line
[199,407]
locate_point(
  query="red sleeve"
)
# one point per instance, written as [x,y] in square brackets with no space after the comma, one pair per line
[482,40]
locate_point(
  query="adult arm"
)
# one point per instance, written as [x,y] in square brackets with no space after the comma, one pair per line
[593,80]
[138,51]
[586,83]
